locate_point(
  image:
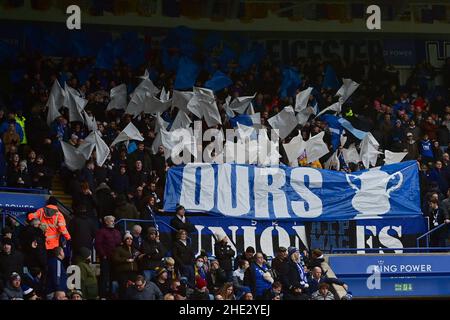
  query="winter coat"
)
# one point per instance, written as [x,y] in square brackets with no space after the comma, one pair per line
[120,257]
[177,224]
[224,254]
[83,230]
[254,278]
[9,263]
[183,254]
[292,276]
[216,279]
[10,293]
[89,286]
[154,251]
[106,241]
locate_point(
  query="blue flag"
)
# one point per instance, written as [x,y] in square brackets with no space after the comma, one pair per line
[335,128]
[349,127]
[330,80]
[291,82]
[187,74]
[218,81]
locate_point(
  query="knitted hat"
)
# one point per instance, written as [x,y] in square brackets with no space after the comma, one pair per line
[84,253]
[200,283]
[292,250]
[160,271]
[127,235]
[14,276]
[28,293]
[152,230]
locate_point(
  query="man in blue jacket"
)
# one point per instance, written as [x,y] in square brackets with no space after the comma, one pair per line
[56,276]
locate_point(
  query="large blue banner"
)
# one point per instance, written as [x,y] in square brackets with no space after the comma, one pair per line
[286,193]
[390,235]
[19,204]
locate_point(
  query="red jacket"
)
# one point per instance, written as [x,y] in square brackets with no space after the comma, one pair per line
[106,241]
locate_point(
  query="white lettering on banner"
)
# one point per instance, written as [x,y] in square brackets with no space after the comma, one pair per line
[266,239]
[249,237]
[385,239]
[188,187]
[199,240]
[225,191]
[389,241]
[301,236]
[403,268]
[298,184]
[262,189]
[74,277]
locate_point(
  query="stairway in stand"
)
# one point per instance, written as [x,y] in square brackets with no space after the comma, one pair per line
[58,192]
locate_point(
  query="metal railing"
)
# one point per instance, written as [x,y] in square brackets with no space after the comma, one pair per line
[154,221]
[427,235]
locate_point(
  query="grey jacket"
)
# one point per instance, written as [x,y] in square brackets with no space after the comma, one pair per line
[150,292]
[10,293]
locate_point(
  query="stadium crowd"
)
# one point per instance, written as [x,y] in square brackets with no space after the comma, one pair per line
[414,118]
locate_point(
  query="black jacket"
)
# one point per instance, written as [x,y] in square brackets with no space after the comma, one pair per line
[183,255]
[154,251]
[10,263]
[216,279]
[224,255]
[177,224]
[82,229]
[290,276]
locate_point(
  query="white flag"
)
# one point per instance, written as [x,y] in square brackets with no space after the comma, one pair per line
[74,103]
[91,123]
[241,104]
[303,116]
[145,76]
[55,102]
[333,162]
[393,157]
[145,89]
[101,149]
[302,98]
[180,99]
[165,96]
[316,148]
[285,121]
[346,90]
[351,155]
[182,120]
[268,154]
[369,150]
[226,106]
[72,159]
[336,107]
[129,133]
[203,105]
[160,124]
[154,105]
[87,147]
[118,97]
[294,149]
[244,132]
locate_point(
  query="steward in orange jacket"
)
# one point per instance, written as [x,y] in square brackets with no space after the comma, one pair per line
[52,222]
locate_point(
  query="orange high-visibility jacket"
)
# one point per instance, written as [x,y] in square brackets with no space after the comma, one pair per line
[53,224]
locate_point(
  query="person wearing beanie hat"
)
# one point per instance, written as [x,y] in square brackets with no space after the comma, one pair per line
[75,295]
[181,222]
[88,278]
[11,260]
[294,273]
[13,290]
[161,280]
[29,294]
[200,291]
[279,263]
[152,252]
[125,264]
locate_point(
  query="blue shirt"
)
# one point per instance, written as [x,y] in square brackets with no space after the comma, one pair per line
[425,149]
